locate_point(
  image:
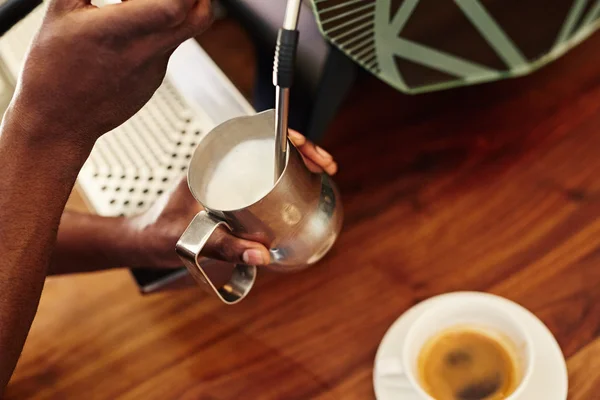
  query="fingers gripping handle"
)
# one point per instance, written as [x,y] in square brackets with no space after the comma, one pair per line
[190,245]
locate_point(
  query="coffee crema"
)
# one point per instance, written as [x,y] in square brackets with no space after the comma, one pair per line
[464,363]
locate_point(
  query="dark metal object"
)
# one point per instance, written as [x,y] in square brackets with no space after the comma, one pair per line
[13,11]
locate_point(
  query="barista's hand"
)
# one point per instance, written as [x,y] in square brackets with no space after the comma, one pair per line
[315,158]
[89,69]
[161,226]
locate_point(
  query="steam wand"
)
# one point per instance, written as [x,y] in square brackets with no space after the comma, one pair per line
[283,73]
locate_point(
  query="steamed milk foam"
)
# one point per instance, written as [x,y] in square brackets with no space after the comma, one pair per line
[243,176]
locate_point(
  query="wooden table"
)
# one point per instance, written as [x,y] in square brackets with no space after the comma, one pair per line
[492,188]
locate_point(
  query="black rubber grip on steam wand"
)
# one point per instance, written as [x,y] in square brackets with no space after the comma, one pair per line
[285,58]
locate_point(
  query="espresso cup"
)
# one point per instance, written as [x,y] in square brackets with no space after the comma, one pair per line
[493,322]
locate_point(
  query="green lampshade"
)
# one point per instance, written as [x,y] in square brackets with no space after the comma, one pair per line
[425,45]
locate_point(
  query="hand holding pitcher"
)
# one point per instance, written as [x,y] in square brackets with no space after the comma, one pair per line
[298,218]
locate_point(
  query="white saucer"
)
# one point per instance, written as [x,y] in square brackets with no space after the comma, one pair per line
[549,379]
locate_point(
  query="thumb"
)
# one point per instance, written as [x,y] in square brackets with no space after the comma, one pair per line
[222,245]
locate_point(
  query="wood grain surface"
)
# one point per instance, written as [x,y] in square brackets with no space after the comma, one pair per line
[491,188]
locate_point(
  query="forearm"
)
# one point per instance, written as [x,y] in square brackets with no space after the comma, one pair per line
[89,243]
[34,185]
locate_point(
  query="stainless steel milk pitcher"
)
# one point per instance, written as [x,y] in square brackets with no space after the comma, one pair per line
[298,220]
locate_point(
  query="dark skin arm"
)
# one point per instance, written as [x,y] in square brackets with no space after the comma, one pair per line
[27,232]
[82,77]
[87,243]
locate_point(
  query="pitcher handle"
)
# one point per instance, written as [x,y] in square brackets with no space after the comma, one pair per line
[190,245]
